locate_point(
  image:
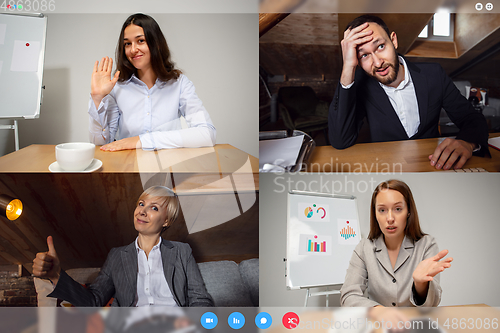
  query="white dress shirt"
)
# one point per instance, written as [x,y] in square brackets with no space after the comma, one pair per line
[404,101]
[152,286]
[132,109]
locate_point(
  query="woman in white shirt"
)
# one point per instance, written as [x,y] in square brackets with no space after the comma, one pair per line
[142,103]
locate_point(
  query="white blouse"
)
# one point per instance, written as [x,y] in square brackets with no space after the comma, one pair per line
[132,109]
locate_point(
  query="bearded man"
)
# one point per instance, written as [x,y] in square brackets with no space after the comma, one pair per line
[401,100]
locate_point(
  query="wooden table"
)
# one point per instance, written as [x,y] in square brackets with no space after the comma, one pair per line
[390,157]
[211,169]
[326,317]
[222,158]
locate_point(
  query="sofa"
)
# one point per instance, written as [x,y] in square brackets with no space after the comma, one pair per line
[229,283]
[232,284]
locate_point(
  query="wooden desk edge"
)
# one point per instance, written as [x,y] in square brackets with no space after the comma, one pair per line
[10,159]
[349,156]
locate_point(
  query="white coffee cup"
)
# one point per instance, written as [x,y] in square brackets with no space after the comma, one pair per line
[75,156]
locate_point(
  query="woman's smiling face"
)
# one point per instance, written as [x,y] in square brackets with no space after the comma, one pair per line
[391,211]
[150,216]
[136,47]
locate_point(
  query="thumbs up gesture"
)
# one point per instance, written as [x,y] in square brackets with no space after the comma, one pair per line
[46,264]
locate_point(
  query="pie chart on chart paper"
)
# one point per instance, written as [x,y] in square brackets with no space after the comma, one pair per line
[308,212]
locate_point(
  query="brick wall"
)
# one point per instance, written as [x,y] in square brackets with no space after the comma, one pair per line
[16,290]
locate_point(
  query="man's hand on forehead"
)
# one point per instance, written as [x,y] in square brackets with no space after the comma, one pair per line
[355,38]
[365,27]
[360,31]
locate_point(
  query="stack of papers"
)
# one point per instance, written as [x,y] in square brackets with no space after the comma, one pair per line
[280,154]
[494,142]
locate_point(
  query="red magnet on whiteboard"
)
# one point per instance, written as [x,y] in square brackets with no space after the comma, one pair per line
[27,44]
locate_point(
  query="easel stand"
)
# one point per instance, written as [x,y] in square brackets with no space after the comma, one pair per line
[320,293]
[16,132]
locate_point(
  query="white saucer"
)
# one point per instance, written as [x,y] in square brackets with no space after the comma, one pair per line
[94,165]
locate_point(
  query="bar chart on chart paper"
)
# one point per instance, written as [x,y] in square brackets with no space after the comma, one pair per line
[348,231]
[316,247]
[315,244]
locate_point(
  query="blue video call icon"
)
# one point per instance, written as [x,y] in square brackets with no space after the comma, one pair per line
[263,320]
[209,320]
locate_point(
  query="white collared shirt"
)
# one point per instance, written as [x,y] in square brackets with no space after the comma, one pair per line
[132,109]
[404,101]
[152,286]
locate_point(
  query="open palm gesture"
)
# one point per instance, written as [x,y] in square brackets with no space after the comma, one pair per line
[430,267]
[102,83]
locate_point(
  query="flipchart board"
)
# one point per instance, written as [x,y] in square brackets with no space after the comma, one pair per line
[22,48]
[322,232]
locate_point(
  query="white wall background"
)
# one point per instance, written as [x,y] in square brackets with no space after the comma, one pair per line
[217,52]
[460,211]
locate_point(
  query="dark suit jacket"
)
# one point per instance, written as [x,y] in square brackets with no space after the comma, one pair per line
[434,90]
[118,279]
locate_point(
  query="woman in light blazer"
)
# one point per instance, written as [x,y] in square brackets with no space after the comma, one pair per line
[398,265]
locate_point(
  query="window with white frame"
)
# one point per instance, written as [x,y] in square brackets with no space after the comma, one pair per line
[440,28]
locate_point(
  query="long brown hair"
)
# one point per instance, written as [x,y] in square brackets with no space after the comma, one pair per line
[412,229]
[161,63]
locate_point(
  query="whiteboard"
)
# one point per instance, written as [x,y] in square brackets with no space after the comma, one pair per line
[22,50]
[322,232]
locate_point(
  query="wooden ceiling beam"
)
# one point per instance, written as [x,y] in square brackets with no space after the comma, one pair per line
[268,20]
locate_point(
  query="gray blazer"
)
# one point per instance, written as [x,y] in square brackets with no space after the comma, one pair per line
[370,270]
[118,279]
